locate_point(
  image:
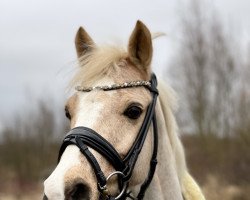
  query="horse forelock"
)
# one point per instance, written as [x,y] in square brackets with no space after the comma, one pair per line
[98,63]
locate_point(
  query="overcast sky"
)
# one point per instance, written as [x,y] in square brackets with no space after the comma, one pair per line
[37,52]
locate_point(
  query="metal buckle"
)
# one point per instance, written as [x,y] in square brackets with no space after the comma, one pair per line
[104,189]
[125,184]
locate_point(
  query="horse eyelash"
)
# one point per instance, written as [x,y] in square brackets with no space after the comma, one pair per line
[67,113]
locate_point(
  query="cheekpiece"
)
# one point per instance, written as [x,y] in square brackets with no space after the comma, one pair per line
[114,86]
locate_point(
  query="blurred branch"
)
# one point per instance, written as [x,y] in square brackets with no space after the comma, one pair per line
[208,75]
[30,144]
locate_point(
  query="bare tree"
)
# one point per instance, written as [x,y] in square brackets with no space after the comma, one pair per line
[30,143]
[207,70]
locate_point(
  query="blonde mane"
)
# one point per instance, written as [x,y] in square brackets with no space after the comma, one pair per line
[97,63]
[168,105]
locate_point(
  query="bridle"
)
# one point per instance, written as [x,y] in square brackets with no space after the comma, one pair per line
[84,137]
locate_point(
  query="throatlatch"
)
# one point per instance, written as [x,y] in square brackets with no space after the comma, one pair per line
[84,137]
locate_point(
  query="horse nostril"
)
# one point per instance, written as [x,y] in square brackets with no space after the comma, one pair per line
[45,197]
[80,192]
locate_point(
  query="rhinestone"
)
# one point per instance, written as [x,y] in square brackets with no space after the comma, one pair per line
[115,86]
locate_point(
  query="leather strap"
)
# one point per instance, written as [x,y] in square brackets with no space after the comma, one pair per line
[135,150]
[153,163]
[95,141]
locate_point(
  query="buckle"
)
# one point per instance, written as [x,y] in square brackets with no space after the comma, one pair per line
[105,190]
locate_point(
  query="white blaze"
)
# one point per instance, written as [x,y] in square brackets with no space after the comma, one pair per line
[54,184]
[87,113]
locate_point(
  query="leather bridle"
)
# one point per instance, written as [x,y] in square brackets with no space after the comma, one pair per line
[84,137]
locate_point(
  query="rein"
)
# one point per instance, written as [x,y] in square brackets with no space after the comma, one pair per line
[84,137]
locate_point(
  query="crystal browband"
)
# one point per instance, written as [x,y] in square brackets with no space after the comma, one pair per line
[114,86]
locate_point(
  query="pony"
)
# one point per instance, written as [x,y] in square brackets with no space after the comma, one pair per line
[115,116]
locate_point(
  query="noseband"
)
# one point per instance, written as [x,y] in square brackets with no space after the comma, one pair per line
[84,137]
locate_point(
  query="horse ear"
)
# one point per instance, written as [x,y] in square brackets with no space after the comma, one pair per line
[140,46]
[83,42]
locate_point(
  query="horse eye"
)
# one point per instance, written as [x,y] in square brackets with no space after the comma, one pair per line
[133,112]
[67,114]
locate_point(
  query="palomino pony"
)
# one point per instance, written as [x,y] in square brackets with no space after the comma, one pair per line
[120,129]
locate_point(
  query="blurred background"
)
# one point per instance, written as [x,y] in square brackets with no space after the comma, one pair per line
[205,57]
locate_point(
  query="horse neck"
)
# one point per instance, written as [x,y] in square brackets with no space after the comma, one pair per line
[171,162]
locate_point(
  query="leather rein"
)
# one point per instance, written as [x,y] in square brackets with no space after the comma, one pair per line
[84,137]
